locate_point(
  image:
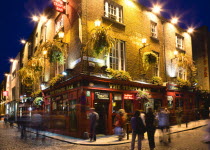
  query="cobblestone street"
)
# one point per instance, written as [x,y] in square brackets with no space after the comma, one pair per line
[10,140]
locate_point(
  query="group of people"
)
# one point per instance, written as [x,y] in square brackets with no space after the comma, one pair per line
[141,123]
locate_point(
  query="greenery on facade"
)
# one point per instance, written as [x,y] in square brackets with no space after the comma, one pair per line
[36,93]
[56,51]
[149,58]
[142,95]
[184,61]
[183,83]
[118,74]
[101,41]
[38,101]
[55,79]
[157,80]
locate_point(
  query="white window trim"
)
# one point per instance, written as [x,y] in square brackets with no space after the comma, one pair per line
[118,12]
[120,63]
[181,39]
[155,33]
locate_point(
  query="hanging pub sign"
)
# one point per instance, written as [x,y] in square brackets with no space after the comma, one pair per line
[5,93]
[128,96]
[59,5]
[101,96]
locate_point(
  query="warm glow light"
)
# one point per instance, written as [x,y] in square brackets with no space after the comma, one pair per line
[176,53]
[35,18]
[144,41]
[97,23]
[44,52]
[43,18]
[6,74]
[11,60]
[23,41]
[174,20]
[190,30]
[60,34]
[156,9]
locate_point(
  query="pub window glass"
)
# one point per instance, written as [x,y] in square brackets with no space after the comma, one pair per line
[117,102]
[72,115]
[128,106]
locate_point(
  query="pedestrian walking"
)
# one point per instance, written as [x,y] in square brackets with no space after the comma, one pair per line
[151,127]
[94,117]
[138,129]
[163,125]
[120,124]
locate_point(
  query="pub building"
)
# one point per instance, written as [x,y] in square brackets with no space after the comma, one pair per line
[69,102]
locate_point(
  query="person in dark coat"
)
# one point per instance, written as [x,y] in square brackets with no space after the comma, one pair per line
[138,128]
[150,125]
[94,117]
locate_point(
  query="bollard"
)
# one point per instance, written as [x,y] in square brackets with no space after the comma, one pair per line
[127,130]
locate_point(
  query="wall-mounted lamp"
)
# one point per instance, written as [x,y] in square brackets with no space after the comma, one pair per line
[156,9]
[97,23]
[35,18]
[23,41]
[190,30]
[60,34]
[12,60]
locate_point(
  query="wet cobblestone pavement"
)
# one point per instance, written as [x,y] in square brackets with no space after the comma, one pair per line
[10,140]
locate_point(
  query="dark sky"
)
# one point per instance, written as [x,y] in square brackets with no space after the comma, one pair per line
[16,23]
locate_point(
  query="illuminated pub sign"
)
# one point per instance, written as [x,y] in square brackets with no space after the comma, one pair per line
[59,5]
[128,96]
[101,96]
[5,93]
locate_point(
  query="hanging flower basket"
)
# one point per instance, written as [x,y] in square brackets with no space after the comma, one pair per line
[183,83]
[55,55]
[100,41]
[149,58]
[142,96]
[55,79]
[38,101]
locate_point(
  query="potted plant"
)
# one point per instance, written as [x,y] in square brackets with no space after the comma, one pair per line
[183,84]
[118,74]
[157,80]
[142,95]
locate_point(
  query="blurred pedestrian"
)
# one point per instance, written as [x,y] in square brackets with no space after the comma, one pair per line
[120,124]
[179,114]
[150,125]
[94,117]
[138,128]
[163,124]
[36,121]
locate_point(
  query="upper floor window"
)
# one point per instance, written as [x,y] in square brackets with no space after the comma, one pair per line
[182,73]
[116,57]
[113,11]
[179,41]
[153,29]
[59,23]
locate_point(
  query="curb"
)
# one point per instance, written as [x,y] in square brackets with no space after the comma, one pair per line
[87,144]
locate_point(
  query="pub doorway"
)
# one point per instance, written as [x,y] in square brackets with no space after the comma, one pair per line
[101,107]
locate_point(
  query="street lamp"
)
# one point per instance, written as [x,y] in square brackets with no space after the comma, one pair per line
[144,43]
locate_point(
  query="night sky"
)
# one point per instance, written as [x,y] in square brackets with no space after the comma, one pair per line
[16,23]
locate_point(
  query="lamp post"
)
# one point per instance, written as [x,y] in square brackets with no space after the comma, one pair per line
[175,57]
[144,43]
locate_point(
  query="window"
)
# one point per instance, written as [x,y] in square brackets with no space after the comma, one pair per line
[154,29]
[113,11]
[117,56]
[182,74]
[59,24]
[179,41]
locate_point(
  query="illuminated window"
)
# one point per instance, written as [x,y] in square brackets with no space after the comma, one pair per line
[154,29]
[113,11]
[117,56]
[179,41]
[59,24]
[182,73]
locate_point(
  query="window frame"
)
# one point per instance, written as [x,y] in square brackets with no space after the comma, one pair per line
[154,33]
[117,61]
[113,11]
[179,41]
